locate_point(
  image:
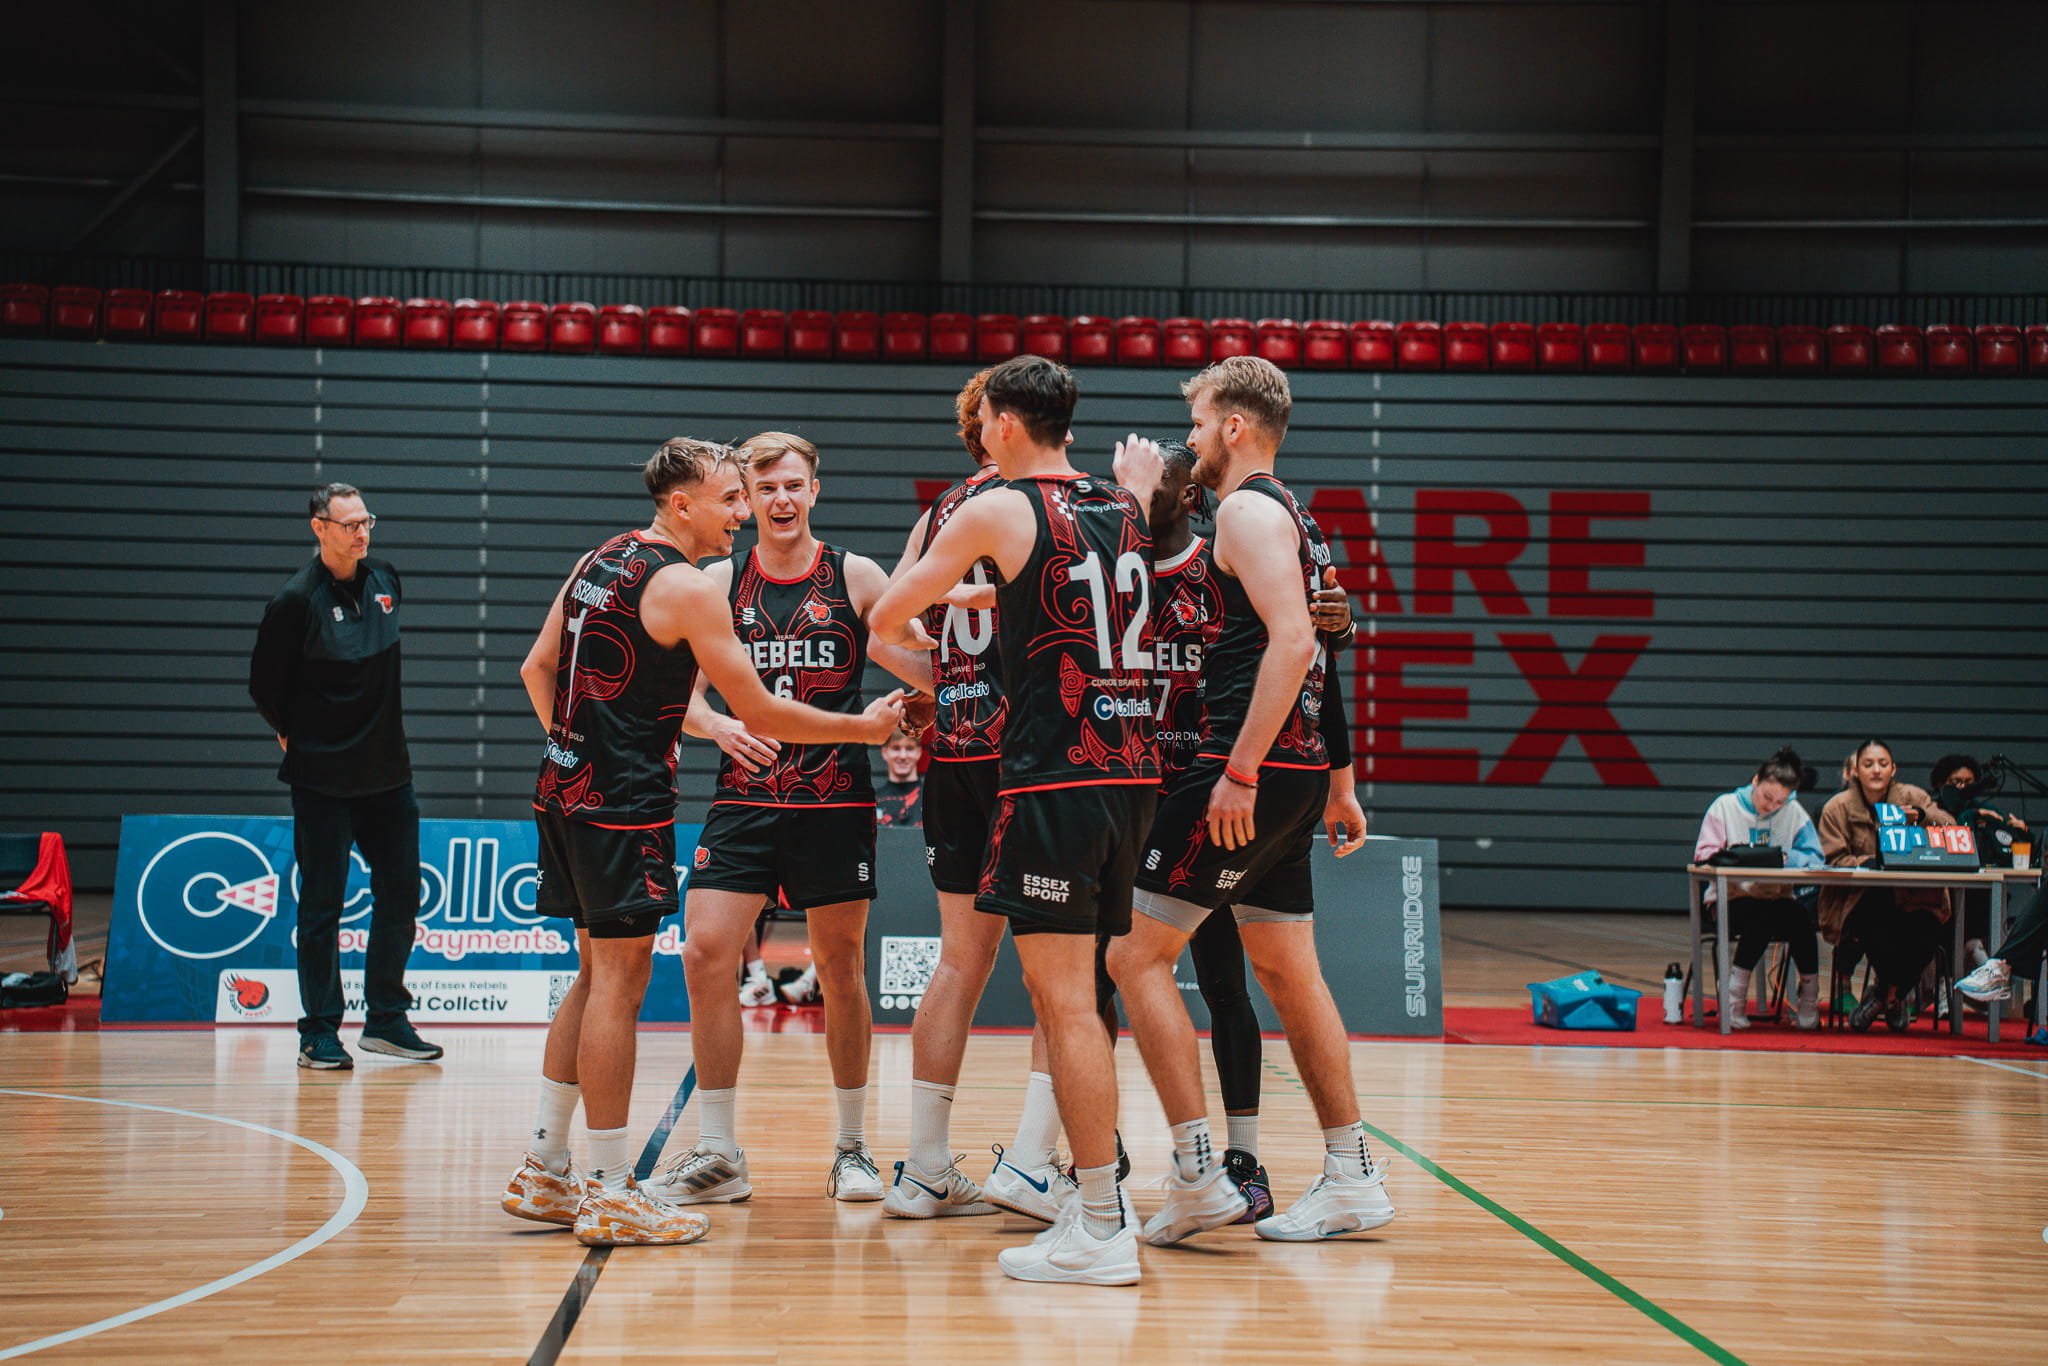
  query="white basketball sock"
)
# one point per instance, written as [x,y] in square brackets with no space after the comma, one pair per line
[1243,1131]
[852,1102]
[611,1161]
[931,1126]
[1192,1154]
[1346,1147]
[1100,1207]
[715,1112]
[551,1125]
[1038,1128]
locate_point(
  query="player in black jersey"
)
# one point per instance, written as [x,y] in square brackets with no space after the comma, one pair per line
[798,820]
[610,676]
[1236,830]
[1077,771]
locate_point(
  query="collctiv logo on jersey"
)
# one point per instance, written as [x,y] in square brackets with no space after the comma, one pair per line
[962,692]
[1046,888]
[1106,707]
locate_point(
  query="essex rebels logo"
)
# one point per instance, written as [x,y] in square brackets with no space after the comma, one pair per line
[384,601]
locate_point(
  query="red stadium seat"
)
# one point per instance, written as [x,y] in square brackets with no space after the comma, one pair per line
[230,316]
[1852,349]
[1419,346]
[1374,345]
[622,329]
[764,334]
[810,334]
[905,336]
[1998,349]
[280,319]
[178,313]
[1951,350]
[428,323]
[1137,341]
[1610,348]
[718,332]
[1802,349]
[1091,340]
[1560,348]
[24,310]
[1704,348]
[1325,344]
[1466,346]
[950,337]
[1184,341]
[857,335]
[1514,346]
[75,312]
[330,320]
[1752,349]
[377,320]
[474,325]
[572,328]
[2037,349]
[1656,347]
[668,330]
[997,337]
[1900,348]
[1279,341]
[1230,337]
[1045,334]
[127,311]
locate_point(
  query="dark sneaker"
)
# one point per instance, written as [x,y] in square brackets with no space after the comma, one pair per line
[1867,1010]
[1899,1014]
[1251,1178]
[324,1053]
[399,1040]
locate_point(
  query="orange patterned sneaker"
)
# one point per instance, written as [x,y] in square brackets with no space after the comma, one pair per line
[545,1196]
[615,1218]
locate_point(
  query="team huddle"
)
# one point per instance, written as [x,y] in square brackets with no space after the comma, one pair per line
[1127,717]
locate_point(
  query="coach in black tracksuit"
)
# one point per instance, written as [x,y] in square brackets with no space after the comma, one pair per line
[325,676]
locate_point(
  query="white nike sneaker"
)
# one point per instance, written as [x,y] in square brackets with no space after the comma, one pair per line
[1990,982]
[1040,1192]
[919,1194]
[854,1178]
[1333,1206]
[758,990]
[1072,1255]
[1211,1200]
[694,1177]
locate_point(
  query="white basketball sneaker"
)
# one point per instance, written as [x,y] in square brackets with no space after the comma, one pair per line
[542,1194]
[919,1194]
[1040,1192]
[1211,1200]
[854,1178]
[631,1217]
[1992,981]
[695,1177]
[1068,1253]
[1335,1205]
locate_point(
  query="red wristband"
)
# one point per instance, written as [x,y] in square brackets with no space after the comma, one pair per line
[1239,778]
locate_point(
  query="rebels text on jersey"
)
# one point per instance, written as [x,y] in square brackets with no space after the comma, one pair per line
[806,642]
[1240,647]
[1187,616]
[1074,632]
[620,696]
[966,684]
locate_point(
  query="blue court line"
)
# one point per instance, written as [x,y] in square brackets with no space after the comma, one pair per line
[556,1335]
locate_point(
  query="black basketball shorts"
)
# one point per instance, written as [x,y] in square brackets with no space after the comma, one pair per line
[617,884]
[1061,860]
[959,806]
[814,855]
[1268,879]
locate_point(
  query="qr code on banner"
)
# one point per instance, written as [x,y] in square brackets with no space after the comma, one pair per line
[907,964]
[558,988]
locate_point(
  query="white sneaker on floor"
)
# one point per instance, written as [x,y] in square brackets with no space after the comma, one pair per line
[803,990]
[542,1194]
[694,1177]
[1211,1200]
[1991,982]
[1335,1205]
[854,1178]
[1072,1255]
[919,1194]
[1073,1211]
[758,990]
[1040,1192]
[631,1217]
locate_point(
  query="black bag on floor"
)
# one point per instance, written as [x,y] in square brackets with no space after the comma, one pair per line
[21,989]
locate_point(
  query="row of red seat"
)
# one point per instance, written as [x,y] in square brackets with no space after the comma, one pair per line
[628,329]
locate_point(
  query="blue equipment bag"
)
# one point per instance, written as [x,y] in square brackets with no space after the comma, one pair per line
[1584,1001]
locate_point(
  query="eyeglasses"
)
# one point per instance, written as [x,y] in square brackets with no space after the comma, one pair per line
[359,524]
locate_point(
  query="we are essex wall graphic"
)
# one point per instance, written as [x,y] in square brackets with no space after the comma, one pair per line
[205,926]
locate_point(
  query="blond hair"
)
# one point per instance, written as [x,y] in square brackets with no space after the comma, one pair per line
[1249,385]
[757,453]
[681,461]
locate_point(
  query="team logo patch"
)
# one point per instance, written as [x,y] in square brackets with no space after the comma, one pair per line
[1189,613]
[384,601]
[703,858]
[249,993]
[817,611]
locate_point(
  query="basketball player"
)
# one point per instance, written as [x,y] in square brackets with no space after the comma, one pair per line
[1077,773]
[798,819]
[610,677]
[1234,834]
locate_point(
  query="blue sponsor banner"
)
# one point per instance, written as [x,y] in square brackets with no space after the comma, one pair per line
[206,914]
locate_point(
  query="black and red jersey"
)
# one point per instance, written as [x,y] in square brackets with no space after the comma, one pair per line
[620,695]
[806,642]
[1187,615]
[966,684]
[1233,661]
[1074,631]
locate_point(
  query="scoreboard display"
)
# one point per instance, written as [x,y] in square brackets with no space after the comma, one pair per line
[1903,844]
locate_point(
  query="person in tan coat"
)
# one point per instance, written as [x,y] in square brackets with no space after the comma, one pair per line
[1897,928]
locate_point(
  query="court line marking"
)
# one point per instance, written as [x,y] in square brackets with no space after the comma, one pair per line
[356,1195]
[555,1336]
[1991,1062]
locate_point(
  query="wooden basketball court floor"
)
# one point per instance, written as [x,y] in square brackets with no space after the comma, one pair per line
[189,1195]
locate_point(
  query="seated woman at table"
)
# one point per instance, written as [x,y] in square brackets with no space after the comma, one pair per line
[1762,812]
[1897,927]
[1957,790]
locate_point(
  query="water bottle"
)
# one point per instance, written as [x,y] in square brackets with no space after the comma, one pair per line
[1674,995]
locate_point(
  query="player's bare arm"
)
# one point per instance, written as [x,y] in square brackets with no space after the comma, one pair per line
[865,584]
[1343,817]
[997,526]
[538,672]
[1138,468]
[705,721]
